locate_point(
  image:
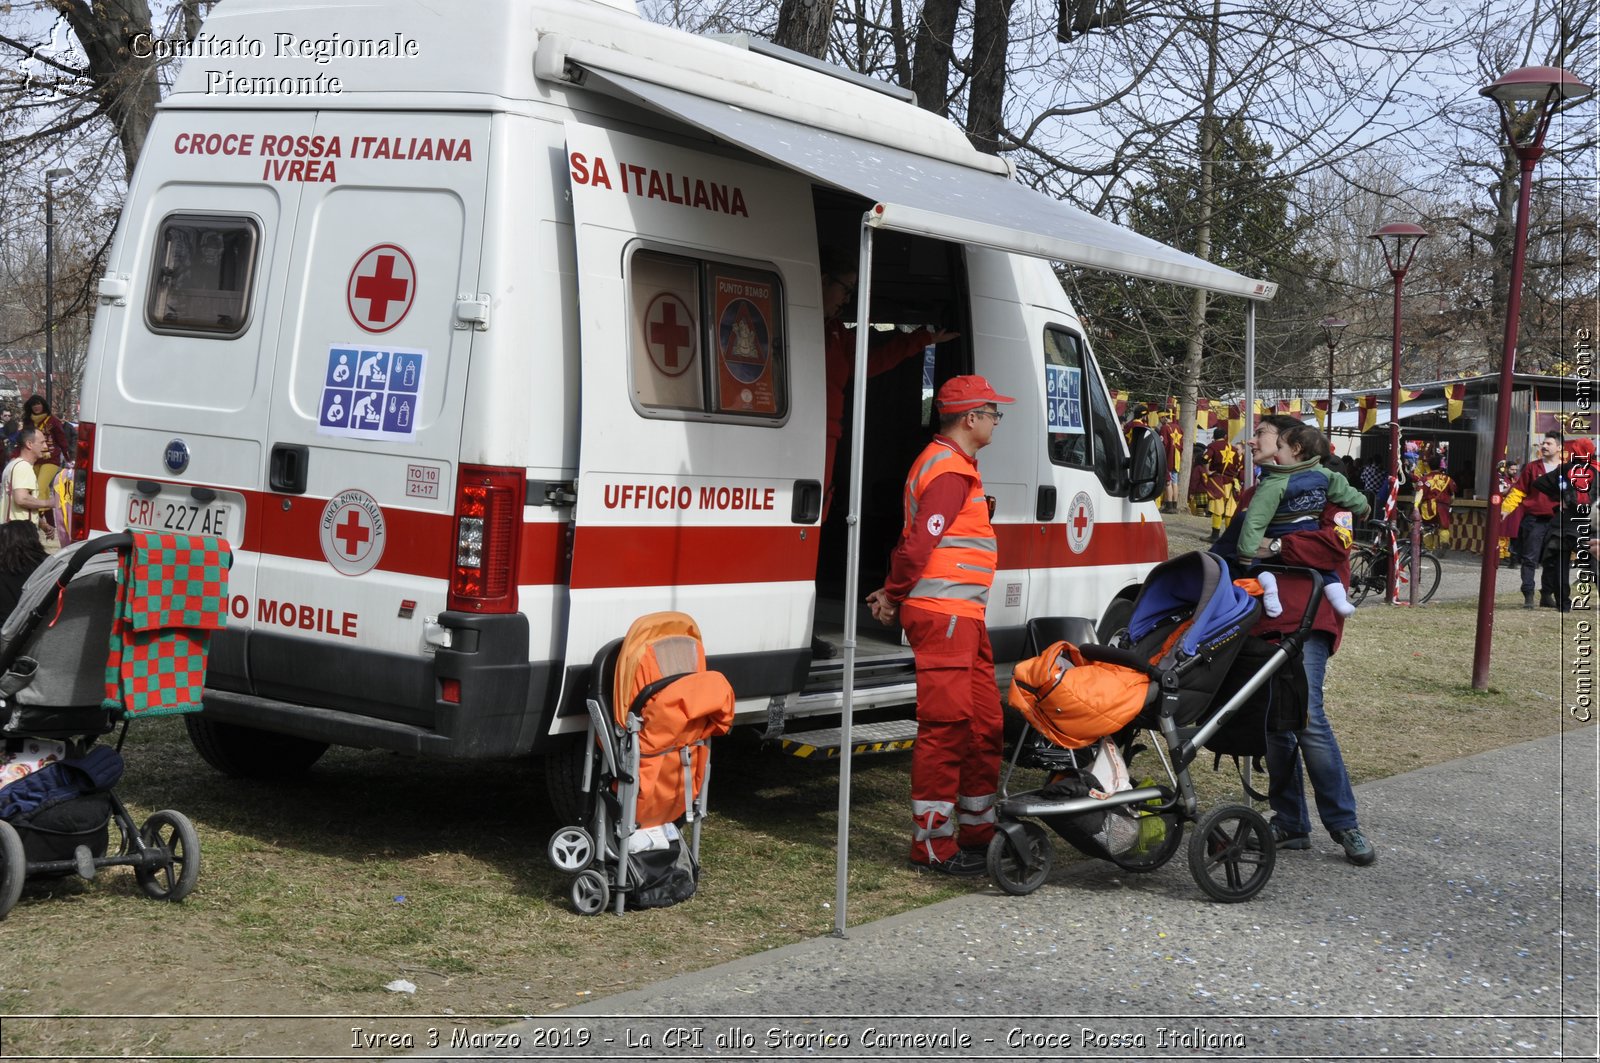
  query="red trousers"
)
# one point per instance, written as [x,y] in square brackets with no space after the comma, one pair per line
[955,765]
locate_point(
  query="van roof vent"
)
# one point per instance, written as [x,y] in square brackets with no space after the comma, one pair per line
[762,46]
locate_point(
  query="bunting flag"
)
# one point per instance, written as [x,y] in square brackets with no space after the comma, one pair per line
[1282,407]
[1235,419]
[1455,396]
[1410,394]
[1320,408]
[1368,405]
[1122,404]
[1297,405]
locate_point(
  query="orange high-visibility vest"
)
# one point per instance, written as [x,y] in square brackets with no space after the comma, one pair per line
[961,568]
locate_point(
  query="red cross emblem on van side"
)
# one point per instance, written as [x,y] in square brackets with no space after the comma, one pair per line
[670,334]
[352,533]
[381,288]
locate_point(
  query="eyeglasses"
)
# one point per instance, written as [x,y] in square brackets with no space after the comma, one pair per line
[996,414]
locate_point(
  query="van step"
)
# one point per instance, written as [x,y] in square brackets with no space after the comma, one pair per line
[887,736]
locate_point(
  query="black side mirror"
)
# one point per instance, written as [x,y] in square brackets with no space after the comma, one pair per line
[1147,466]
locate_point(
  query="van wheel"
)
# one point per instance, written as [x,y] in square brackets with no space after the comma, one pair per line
[249,753]
[563,777]
[1118,613]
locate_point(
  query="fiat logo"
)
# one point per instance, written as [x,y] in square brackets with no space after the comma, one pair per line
[176,456]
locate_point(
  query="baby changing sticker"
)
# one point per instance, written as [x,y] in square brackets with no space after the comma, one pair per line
[1063,392]
[371,392]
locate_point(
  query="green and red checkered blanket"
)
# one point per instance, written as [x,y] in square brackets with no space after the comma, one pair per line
[172,592]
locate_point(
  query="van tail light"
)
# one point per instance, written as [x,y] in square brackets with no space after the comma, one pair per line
[83,503]
[483,572]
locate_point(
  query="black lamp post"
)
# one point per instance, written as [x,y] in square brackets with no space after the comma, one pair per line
[1527,99]
[50,178]
[1399,241]
[1332,328]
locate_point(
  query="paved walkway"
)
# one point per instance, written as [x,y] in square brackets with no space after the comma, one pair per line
[1473,936]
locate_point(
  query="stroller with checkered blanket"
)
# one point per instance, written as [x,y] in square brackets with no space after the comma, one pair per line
[57,802]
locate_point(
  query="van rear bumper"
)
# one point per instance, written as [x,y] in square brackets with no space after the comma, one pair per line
[351,697]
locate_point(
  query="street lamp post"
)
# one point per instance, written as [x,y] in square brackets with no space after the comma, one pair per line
[1332,328]
[1399,241]
[1527,99]
[50,178]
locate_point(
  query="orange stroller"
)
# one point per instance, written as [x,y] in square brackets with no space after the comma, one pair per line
[653,710]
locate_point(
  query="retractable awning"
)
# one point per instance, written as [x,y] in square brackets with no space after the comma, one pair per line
[921,194]
[1352,418]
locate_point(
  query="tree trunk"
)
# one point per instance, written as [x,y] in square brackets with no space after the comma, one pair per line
[991,33]
[126,86]
[930,63]
[803,25]
[1194,353]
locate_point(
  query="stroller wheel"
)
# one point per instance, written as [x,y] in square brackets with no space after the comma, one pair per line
[590,893]
[171,857]
[13,867]
[1231,853]
[571,849]
[1019,857]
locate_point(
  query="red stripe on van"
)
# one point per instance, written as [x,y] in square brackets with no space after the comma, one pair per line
[415,543]
[668,556]
[1022,546]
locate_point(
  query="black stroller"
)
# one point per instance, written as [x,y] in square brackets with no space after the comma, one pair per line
[1209,685]
[53,665]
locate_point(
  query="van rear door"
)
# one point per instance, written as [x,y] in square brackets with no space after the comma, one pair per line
[701,434]
[364,431]
[184,395]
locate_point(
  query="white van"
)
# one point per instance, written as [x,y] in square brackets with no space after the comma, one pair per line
[481,331]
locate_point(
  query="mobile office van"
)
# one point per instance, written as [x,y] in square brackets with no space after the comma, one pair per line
[481,331]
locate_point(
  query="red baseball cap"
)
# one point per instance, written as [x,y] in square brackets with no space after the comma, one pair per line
[962,393]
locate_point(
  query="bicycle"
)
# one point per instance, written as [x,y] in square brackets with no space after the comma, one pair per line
[1369,567]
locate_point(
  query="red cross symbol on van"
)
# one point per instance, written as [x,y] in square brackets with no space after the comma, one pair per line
[381,288]
[352,533]
[670,334]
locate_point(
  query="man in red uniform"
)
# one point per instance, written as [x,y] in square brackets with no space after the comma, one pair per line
[1222,465]
[1171,442]
[1537,511]
[939,577]
[1435,493]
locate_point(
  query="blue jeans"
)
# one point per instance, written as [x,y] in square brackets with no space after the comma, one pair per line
[1315,748]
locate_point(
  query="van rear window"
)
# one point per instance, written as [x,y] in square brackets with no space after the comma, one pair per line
[202,275]
[708,339]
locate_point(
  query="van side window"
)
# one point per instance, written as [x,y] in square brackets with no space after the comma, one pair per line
[202,274]
[707,338]
[1082,431]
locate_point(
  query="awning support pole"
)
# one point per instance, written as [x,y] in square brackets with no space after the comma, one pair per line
[1249,470]
[852,566]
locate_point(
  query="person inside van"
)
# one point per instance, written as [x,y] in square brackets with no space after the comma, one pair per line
[887,350]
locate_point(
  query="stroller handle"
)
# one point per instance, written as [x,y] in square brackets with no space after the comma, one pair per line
[114,541]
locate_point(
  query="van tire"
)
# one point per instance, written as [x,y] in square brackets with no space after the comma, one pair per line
[248,753]
[1117,615]
[563,778]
